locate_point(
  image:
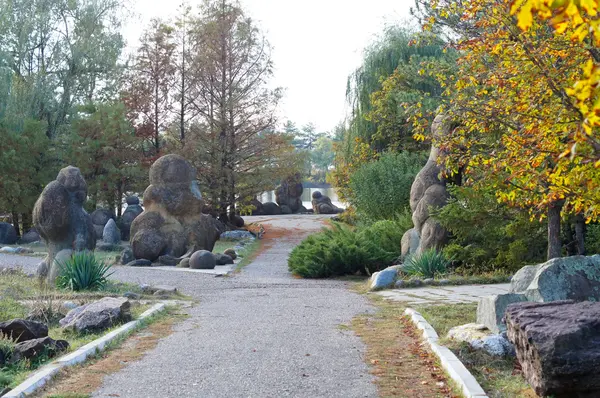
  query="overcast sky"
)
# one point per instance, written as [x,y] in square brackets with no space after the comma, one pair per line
[316,45]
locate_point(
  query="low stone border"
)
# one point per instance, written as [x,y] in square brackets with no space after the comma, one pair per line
[451,364]
[47,372]
[218,270]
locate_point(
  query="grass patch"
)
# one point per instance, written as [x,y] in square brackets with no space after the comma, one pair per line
[499,377]
[249,253]
[395,355]
[12,375]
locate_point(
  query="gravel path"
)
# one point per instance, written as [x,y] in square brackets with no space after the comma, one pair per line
[260,333]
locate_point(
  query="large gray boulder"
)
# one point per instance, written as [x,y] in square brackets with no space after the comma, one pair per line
[98,315]
[558,346]
[111,234]
[566,278]
[8,234]
[60,219]
[490,310]
[99,218]
[30,236]
[173,222]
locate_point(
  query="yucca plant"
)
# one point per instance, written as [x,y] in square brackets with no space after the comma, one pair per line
[83,272]
[428,264]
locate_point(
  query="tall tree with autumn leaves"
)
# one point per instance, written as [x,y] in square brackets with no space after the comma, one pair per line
[510,96]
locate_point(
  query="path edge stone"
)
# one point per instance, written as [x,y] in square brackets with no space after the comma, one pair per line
[44,374]
[452,365]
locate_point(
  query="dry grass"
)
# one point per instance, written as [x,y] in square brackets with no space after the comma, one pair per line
[398,361]
[81,381]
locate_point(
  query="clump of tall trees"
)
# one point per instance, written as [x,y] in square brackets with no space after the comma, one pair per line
[198,85]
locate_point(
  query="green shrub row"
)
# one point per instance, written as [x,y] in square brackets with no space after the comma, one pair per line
[342,250]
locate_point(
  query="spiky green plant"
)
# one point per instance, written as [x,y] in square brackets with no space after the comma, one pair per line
[83,272]
[428,264]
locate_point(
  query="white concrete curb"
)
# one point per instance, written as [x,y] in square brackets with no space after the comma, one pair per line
[47,372]
[451,364]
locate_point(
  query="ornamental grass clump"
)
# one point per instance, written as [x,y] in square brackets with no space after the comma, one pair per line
[428,264]
[83,272]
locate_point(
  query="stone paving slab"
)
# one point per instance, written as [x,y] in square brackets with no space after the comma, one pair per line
[444,294]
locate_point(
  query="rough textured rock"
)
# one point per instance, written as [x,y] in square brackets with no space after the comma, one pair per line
[223,259]
[168,260]
[31,349]
[127,256]
[289,194]
[558,346]
[566,278]
[21,330]
[98,315]
[428,191]
[321,204]
[285,209]
[236,220]
[479,337]
[468,332]
[271,209]
[410,243]
[173,222]
[8,234]
[99,219]
[60,219]
[231,253]
[111,234]
[383,279]
[184,263]
[490,310]
[237,235]
[522,279]
[30,237]
[202,259]
[132,211]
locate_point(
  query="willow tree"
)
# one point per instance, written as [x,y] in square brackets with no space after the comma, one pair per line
[383,93]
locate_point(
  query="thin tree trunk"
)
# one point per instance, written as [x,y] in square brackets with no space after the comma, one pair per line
[26,220]
[15,222]
[580,233]
[554,241]
[119,199]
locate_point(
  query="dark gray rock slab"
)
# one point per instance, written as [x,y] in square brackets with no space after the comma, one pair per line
[8,234]
[223,259]
[111,234]
[142,262]
[558,346]
[22,330]
[32,349]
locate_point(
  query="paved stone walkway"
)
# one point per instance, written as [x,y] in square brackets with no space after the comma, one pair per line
[444,294]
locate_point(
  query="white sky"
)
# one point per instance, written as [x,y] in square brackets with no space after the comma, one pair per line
[316,45]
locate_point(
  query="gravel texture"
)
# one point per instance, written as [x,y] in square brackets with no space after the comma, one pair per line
[260,333]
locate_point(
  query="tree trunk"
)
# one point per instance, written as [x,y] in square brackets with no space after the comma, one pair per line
[15,222]
[554,241]
[580,233]
[26,220]
[119,199]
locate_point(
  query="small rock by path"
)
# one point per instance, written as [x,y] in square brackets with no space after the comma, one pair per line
[444,294]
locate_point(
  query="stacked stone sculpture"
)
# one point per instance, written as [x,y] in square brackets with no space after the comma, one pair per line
[321,204]
[288,195]
[61,221]
[173,223]
[427,191]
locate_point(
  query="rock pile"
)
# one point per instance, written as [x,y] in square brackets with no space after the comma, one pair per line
[133,210]
[100,218]
[288,195]
[173,222]
[321,204]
